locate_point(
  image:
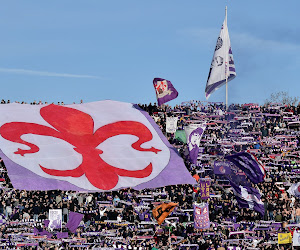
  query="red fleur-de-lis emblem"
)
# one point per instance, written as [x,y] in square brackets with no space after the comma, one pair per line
[77,128]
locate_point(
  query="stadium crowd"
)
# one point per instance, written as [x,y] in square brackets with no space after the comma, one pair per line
[124,220]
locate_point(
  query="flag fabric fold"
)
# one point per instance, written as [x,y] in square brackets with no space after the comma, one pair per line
[222,65]
[164,90]
[74,221]
[161,212]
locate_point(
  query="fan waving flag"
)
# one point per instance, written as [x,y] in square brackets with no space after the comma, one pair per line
[222,65]
[97,146]
[164,90]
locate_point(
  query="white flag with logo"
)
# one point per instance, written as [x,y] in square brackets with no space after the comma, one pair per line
[296,239]
[171,124]
[222,65]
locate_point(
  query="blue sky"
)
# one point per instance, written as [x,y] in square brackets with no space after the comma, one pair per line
[96,50]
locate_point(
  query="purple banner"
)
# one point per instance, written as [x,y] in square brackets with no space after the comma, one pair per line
[201,216]
[204,189]
[222,167]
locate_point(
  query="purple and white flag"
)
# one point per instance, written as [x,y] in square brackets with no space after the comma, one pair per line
[99,146]
[248,197]
[222,65]
[201,216]
[164,90]
[249,164]
[55,219]
[222,167]
[74,221]
[294,190]
[194,133]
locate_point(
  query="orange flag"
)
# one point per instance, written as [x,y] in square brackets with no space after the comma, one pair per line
[162,211]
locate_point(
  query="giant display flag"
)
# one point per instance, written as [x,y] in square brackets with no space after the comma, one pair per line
[247,162]
[162,211]
[97,146]
[222,65]
[164,90]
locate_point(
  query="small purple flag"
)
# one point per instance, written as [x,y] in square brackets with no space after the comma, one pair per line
[249,164]
[222,167]
[46,223]
[74,220]
[204,189]
[165,91]
[44,232]
[201,216]
[62,235]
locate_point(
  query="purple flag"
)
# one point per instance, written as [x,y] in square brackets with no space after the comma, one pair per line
[248,197]
[74,220]
[164,90]
[204,189]
[46,223]
[37,231]
[222,167]
[249,164]
[44,232]
[50,147]
[62,235]
[201,216]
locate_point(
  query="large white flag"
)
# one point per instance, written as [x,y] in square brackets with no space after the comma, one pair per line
[296,238]
[222,65]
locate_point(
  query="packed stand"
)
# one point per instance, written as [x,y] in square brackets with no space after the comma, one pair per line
[123,219]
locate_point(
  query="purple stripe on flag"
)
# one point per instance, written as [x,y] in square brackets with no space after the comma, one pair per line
[219,84]
[175,172]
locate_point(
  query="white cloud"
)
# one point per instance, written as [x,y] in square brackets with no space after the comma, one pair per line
[243,40]
[44,73]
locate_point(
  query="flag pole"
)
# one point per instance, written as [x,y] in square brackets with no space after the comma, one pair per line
[226,63]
